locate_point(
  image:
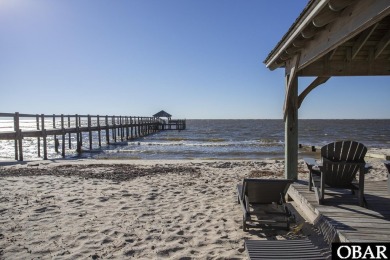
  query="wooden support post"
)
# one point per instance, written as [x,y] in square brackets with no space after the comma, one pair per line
[89,132]
[77,131]
[20,142]
[18,138]
[135,127]
[107,131]
[63,136]
[56,143]
[16,129]
[145,124]
[139,127]
[69,135]
[118,127]
[78,135]
[124,121]
[38,139]
[44,137]
[114,129]
[120,132]
[121,127]
[139,123]
[127,127]
[131,128]
[99,130]
[291,132]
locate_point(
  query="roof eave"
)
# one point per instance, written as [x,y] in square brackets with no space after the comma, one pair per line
[306,17]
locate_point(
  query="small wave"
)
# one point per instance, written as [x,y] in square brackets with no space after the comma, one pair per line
[215,140]
[177,139]
[210,140]
[121,151]
[269,141]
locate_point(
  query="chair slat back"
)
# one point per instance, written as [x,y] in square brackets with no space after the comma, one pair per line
[265,191]
[341,161]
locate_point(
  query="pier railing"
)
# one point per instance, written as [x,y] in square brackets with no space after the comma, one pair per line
[113,128]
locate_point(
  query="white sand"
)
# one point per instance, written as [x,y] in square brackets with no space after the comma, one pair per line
[167,209]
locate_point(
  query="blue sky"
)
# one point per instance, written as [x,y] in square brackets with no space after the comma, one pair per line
[192,58]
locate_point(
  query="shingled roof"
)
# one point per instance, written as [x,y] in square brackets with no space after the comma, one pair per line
[337,38]
[162,113]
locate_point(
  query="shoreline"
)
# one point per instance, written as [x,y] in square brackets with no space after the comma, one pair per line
[305,151]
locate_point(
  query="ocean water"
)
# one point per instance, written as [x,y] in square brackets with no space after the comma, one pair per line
[215,139]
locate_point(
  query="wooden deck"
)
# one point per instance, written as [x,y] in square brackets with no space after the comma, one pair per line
[341,218]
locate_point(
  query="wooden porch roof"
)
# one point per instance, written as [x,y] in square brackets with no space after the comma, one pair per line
[337,38]
[329,38]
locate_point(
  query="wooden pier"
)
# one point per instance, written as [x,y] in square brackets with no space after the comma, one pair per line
[114,128]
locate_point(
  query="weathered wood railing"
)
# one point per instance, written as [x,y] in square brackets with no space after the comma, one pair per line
[117,127]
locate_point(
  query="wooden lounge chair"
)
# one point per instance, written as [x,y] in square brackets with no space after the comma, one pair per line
[254,192]
[340,163]
[283,249]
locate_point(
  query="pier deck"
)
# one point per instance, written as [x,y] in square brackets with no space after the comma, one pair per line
[340,218]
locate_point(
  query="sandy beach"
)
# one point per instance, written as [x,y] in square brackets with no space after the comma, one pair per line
[141,209]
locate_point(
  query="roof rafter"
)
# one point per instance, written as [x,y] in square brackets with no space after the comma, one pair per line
[382,44]
[362,40]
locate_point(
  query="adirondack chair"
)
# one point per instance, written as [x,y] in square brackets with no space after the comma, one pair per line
[340,163]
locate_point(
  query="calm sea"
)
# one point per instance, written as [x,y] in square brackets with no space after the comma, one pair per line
[221,139]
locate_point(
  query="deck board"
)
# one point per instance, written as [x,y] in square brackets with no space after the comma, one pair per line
[343,215]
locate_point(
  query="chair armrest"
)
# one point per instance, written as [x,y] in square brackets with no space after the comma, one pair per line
[313,165]
[310,162]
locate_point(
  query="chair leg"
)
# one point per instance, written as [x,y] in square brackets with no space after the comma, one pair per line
[362,201]
[310,181]
[322,189]
[244,226]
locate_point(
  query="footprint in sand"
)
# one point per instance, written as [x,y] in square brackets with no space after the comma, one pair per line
[41,210]
[103,199]
[78,201]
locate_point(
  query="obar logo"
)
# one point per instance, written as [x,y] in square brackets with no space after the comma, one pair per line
[360,250]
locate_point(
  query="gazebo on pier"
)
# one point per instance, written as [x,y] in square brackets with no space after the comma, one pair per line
[179,124]
[162,113]
[329,38]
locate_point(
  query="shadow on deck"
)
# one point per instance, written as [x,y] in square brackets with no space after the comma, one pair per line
[341,219]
